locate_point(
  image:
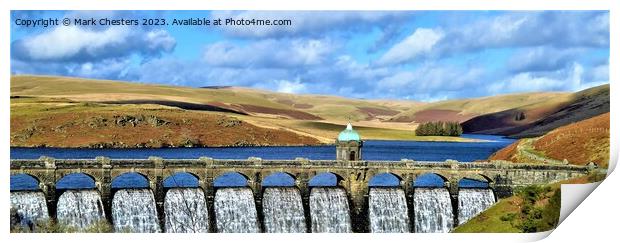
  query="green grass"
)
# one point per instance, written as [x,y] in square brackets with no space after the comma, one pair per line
[490,221]
[52,226]
[531,209]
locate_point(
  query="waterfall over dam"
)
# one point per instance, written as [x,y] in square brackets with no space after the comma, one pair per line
[134,210]
[283,210]
[473,201]
[433,210]
[80,209]
[185,211]
[387,208]
[235,210]
[329,209]
[30,206]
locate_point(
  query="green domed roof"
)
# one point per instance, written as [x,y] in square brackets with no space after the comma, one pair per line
[348,134]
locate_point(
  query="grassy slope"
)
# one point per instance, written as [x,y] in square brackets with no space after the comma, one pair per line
[579,143]
[541,117]
[479,106]
[531,209]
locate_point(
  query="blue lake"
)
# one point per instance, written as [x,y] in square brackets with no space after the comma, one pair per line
[372,150]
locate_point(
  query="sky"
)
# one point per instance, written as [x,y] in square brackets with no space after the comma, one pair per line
[415,55]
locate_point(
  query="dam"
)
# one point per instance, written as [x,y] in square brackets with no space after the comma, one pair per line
[354,200]
[353,191]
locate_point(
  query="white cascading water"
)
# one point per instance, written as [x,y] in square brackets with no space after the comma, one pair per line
[30,206]
[329,210]
[80,209]
[185,211]
[235,211]
[133,210]
[473,201]
[388,210]
[433,210]
[283,210]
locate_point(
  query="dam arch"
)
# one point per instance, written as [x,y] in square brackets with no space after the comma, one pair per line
[279,179]
[76,177]
[141,180]
[24,182]
[385,179]
[181,180]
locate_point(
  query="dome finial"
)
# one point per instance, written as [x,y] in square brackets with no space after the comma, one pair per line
[348,134]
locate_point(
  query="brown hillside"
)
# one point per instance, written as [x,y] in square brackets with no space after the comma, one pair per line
[580,142]
[506,153]
[87,125]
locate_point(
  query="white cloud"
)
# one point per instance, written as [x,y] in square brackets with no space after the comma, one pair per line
[542,58]
[419,43]
[269,53]
[68,41]
[432,80]
[570,79]
[292,87]
[76,44]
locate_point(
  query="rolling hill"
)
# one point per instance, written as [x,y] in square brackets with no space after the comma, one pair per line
[539,118]
[41,104]
[464,109]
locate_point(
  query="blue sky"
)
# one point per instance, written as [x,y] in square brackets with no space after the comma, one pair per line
[418,55]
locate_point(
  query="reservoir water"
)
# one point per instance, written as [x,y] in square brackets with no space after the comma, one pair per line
[373,150]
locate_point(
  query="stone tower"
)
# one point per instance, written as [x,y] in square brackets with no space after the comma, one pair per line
[349,145]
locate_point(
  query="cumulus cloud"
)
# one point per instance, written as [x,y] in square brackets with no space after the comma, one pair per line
[542,59]
[419,43]
[73,43]
[520,29]
[285,86]
[551,29]
[432,78]
[569,79]
[269,53]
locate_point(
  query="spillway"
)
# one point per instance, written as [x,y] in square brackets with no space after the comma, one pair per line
[235,211]
[185,211]
[388,210]
[80,209]
[473,201]
[283,210]
[133,210]
[329,210]
[30,205]
[433,210]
